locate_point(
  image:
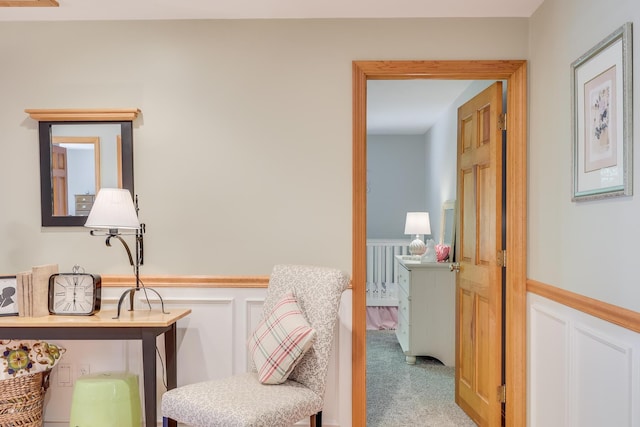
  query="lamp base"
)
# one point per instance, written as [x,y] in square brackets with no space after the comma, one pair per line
[417,247]
[131,292]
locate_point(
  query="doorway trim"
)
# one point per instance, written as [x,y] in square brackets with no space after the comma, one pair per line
[515,73]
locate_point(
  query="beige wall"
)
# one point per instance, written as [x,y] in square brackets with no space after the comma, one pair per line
[243,151]
[590,247]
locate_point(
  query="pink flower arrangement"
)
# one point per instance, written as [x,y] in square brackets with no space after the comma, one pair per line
[442,252]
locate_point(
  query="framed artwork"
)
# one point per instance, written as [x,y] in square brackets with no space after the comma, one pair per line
[8,296]
[602,116]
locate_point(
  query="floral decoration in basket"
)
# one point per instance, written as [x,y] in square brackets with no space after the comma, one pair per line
[24,357]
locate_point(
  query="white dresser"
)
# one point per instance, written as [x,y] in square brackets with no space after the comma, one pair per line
[426,310]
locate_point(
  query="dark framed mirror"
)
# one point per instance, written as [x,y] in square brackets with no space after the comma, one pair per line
[77,158]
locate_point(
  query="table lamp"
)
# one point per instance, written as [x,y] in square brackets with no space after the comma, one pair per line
[113,210]
[417,223]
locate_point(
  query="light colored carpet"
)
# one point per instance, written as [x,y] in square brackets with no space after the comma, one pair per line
[399,395]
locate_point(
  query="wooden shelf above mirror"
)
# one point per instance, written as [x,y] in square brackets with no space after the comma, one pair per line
[83,115]
[29,3]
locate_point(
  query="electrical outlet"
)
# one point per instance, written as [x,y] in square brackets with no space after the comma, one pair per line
[64,375]
[83,369]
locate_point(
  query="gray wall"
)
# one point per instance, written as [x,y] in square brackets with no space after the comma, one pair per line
[396,184]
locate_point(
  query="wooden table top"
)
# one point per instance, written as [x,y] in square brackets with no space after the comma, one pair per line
[102,319]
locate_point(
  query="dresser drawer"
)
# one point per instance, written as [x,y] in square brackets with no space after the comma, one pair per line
[83,206]
[84,198]
[403,279]
[404,308]
[402,333]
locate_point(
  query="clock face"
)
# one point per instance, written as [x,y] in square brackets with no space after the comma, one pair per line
[74,294]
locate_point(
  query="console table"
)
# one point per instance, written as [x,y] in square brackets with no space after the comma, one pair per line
[141,324]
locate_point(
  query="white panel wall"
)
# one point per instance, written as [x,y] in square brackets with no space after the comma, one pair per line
[583,371]
[211,344]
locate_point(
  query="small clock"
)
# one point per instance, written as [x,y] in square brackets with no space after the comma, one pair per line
[74,294]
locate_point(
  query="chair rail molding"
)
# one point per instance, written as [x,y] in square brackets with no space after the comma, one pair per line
[188,281]
[608,312]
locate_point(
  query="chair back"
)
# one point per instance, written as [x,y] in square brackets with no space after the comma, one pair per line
[318,291]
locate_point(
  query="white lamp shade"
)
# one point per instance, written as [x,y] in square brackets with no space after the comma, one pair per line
[112,209]
[417,223]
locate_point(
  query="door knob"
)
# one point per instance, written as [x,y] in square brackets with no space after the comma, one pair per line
[455,267]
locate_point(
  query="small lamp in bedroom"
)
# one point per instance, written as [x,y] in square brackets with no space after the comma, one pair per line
[113,211]
[417,223]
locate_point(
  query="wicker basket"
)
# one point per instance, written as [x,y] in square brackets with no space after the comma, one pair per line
[22,400]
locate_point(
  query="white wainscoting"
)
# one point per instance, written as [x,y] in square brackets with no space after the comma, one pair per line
[582,371]
[211,344]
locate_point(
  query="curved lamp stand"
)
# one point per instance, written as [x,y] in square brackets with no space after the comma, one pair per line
[131,292]
[139,260]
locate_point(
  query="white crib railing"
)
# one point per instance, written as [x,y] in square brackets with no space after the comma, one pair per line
[382,274]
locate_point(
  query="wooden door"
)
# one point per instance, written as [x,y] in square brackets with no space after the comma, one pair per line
[479,281]
[59,180]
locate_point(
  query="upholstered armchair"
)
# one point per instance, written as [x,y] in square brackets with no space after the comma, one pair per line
[270,394]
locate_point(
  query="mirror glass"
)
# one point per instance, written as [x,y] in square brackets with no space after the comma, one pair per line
[448,227]
[76,160]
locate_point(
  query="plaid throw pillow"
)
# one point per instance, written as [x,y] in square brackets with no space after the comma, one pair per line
[280,341]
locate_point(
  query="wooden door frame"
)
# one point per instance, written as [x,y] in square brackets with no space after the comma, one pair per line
[515,74]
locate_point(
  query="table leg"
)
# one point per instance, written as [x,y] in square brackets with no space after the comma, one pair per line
[170,350]
[149,374]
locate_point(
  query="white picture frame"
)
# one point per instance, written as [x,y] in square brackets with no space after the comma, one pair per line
[602,116]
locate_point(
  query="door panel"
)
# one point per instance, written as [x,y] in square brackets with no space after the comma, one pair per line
[486,242]
[467,221]
[479,282]
[59,180]
[482,331]
[466,360]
